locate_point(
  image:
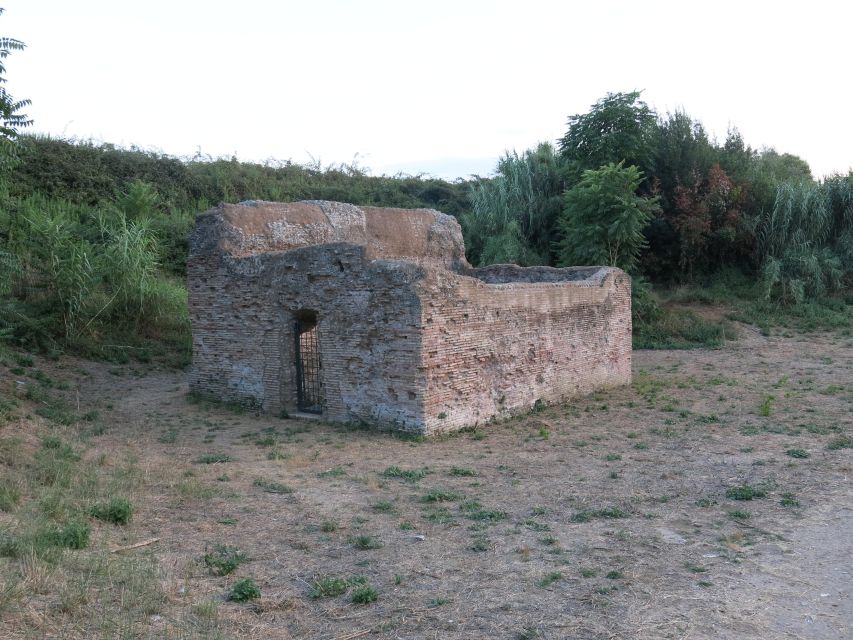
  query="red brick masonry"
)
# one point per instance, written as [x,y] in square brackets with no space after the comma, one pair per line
[411,336]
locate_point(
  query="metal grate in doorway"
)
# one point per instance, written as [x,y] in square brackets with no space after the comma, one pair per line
[309,386]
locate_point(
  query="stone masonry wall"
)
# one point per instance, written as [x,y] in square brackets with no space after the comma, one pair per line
[490,350]
[411,337]
[369,320]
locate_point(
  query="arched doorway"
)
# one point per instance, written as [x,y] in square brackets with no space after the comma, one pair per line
[309,378]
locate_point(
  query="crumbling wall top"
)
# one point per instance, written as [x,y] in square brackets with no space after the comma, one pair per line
[256,227]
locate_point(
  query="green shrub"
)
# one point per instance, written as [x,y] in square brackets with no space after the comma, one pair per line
[329,587]
[244,590]
[745,492]
[71,535]
[365,595]
[223,559]
[116,511]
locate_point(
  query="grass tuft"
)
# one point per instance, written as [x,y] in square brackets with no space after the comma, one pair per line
[116,511]
[244,590]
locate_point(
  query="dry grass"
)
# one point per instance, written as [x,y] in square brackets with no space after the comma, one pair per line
[630,484]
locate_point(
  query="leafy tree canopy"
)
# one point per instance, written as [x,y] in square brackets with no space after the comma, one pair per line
[618,128]
[603,218]
[10,117]
[514,214]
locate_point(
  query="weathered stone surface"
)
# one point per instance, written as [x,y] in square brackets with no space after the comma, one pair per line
[411,337]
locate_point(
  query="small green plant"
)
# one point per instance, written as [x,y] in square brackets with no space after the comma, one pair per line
[614,575]
[116,511]
[789,500]
[9,497]
[244,590]
[365,594]
[709,419]
[740,514]
[438,602]
[533,525]
[695,568]
[335,472]
[587,572]
[439,494]
[550,578]
[406,526]
[544,433]
[480,545]
[266,441]
[169,436]
[72,535]
[612,457]
[384,506]
[223,559]
[365,542]
[745,492]
[473,510]
[766,408]
[460,471]
[213,458]
[439,515]
[797,453]
[409,475]
[841,442]
[276,454]
[329,587]
[329,526]
[271,487]
[23,360]
[585,515]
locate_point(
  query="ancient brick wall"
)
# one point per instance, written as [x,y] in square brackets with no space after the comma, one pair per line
[491,350]
[410,336]
[369,321]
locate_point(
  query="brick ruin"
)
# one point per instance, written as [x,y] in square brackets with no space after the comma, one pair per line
[373,315]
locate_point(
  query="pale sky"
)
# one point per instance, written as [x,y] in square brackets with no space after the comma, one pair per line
[433,86]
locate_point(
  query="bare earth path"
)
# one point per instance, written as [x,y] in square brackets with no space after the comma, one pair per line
[606,518]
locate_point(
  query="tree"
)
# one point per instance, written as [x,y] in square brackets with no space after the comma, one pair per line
[618,128]
[515,213]
[10,117]
[603,218]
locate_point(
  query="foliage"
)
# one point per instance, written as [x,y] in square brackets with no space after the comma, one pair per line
[618,128]
[75,274]
[116,511]
[513,215]
[11,118]
[83,172]
[706,216]
[244,590]
[805,243]
[223,559]
[603,218]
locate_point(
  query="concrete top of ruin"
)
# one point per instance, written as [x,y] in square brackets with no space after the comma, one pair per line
[422,236]
[257,227]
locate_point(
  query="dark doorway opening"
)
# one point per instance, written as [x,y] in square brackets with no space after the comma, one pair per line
[309,383]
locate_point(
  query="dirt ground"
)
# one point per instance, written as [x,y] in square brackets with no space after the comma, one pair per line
[605,518]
